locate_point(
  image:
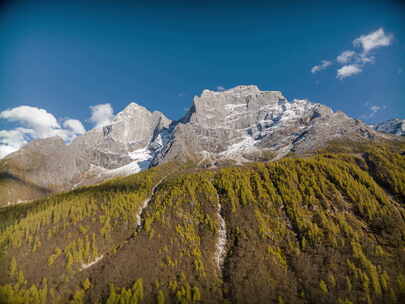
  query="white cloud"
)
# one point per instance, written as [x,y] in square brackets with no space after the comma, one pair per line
[36,123]
[102,114]
[220,88]
[348,70]
[74,125]
[324,64]
[351,61]
[345,56]
[364,58]
[373,40]
[40,120]
[373,109]
[12,140]
[14,137]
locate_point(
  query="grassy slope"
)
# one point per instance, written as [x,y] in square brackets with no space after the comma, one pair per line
[327,228]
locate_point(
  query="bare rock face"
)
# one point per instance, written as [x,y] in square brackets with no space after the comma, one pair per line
[110,147]
[126,146]
[244,120]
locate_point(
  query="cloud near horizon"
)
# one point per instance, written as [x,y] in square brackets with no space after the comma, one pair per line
[351,61]
[35,123]
[372,110]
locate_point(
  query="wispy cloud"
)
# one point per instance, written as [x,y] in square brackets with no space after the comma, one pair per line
[323,65]
[375,109]
[372,110]
[348,70]
[345,57]
[373,40]
[367,43]
[352,62]
[220,88]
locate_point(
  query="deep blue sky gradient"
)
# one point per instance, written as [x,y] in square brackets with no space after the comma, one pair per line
[65,56]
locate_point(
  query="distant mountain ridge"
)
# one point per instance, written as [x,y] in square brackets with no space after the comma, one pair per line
[393,126]
[236,125]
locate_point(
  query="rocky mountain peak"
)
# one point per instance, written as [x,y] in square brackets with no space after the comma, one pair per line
[242,90]
[244,120]
[130,111]
[240,105]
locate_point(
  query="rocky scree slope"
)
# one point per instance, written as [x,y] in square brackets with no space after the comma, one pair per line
[238,125]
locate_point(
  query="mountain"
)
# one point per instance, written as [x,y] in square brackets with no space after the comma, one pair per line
[248,198]
[244,120]
[324,227]
[394,126]
[238,125]
[126,146]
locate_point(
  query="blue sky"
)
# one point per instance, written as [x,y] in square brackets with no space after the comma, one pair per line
[65,56]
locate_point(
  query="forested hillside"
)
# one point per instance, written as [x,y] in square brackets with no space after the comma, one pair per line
[322,228]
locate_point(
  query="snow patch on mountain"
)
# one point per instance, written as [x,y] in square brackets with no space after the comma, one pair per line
[236,151]
[131,168]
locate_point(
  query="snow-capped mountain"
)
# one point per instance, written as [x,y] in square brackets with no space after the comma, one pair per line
[234,123]
[238,124]
[394,126]
[126,146]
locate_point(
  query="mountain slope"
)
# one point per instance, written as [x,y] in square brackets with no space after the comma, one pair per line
[237,125]
[327,228]
[16,188]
